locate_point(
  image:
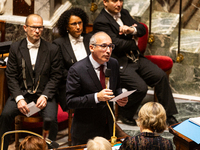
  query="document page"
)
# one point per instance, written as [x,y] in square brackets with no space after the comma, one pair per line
[33,109]
[195,120]
[125,94]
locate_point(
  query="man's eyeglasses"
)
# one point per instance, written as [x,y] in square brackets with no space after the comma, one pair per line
[105,46]
[75,23]
[34,28]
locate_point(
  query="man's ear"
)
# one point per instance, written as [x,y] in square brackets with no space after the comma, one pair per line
[104,2]
[25,28]
[91,48]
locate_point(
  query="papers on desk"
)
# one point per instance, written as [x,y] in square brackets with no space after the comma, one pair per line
[115,147]
[33,109]
[125,94]
[189,129]
[195,120]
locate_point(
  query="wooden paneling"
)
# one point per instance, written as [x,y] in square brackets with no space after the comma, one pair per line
[21,8]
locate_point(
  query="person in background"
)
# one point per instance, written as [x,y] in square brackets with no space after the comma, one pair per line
[33,74]
[73,43]
[87,94]
[136,72]
[32,143]
[151,120]
[99,143]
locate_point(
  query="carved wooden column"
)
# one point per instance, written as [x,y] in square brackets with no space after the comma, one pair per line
[3,88]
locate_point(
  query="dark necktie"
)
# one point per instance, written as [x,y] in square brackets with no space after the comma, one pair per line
[102,77]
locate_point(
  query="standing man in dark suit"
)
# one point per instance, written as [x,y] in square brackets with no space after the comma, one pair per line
[136,72]
[33,73]
[73,43]
[87,96]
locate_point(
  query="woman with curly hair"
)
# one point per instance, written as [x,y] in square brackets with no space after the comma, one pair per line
[73,43]
[151,120]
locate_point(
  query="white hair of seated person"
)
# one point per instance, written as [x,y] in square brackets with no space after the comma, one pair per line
[99,143]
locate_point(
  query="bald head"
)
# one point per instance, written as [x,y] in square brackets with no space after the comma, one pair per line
[101,47]
[31,16]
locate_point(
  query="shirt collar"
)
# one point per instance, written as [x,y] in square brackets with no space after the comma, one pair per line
[118,15]
[94,63]
[75,40]
[36,44]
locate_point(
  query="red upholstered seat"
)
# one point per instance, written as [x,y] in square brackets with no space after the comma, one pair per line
[163,62]
[61,117]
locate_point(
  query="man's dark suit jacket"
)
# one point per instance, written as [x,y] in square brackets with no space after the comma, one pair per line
[82,84]
[47,69]
[123,43]
[67,58]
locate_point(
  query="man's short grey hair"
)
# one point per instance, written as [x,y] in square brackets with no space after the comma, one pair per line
[93,38]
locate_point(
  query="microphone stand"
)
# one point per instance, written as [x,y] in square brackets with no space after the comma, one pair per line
[17,131]
[107,77]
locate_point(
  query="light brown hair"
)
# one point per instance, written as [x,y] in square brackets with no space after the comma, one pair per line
[32,143]
[152,116]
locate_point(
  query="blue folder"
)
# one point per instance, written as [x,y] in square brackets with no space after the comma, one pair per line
[190,130]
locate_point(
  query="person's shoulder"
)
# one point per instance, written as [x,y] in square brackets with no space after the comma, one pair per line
[17,44]
[100,16]
[50,46]
[59,40]
[80,64]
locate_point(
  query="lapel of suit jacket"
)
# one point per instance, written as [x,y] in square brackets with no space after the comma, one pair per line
[86,44]
[111,19]
[124,18]
[41,59]
[93,74]
[26,56]
[68,49]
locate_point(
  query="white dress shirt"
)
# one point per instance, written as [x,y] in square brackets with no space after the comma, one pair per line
[78,47]
[96,66]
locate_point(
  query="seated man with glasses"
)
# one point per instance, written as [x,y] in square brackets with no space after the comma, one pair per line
[33,74]
[87,93]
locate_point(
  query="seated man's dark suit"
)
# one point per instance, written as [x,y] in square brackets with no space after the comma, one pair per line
[47,73]
[135,75]
[67,58]
[90,118]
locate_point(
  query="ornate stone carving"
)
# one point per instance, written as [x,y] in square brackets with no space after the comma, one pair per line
[2,5]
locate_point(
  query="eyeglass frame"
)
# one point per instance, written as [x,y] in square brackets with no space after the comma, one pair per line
[34,28]
[74,24]
[107,45]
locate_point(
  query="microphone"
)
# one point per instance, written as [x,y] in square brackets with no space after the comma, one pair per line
[107,78]
[53,144]
[46,127]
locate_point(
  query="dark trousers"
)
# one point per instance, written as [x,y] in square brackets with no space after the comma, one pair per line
[80,141]
[10,111]
[139,76]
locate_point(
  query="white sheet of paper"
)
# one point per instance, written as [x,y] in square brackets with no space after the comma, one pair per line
[33,109]
[125,94]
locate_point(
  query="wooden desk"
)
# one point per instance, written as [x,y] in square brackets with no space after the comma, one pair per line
[81,147]
[182,142]
[3,88]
